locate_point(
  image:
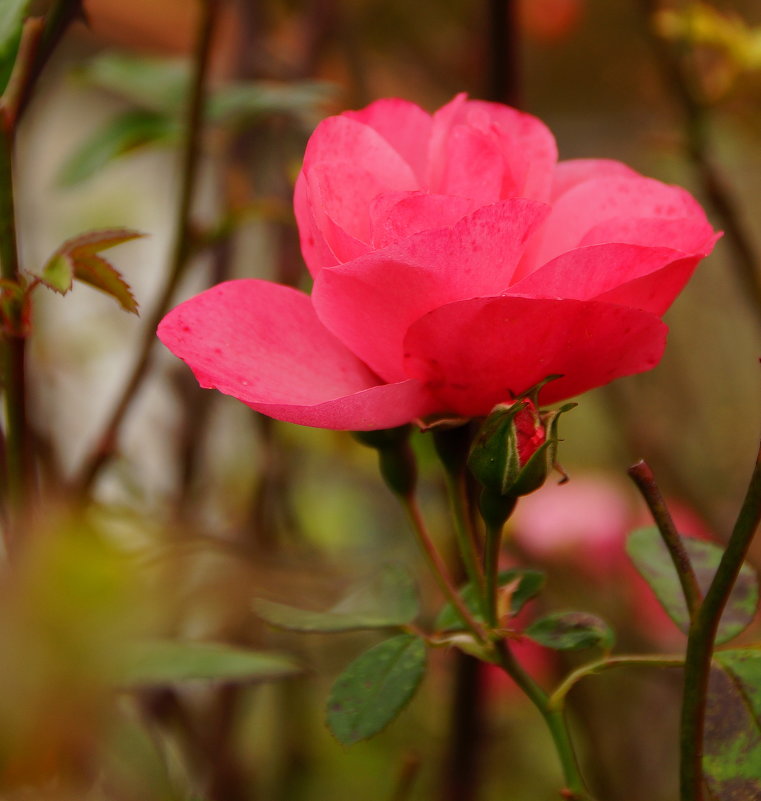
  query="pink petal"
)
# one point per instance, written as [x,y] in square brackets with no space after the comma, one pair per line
[397,215]
[405,126]
[315,250]
[263,344]
[572,172]
[370,303]
[688,234]
[473,166]
[477,353]
[600,200]
[635,274]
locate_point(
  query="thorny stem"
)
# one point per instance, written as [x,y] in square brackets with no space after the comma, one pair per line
[105,443]
[438,567]
[574,790]
[702,634]
[643,477]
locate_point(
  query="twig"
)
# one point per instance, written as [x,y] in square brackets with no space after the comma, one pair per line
[106,441]
[643,477]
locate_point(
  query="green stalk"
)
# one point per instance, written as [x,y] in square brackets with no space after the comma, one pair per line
[491,569]
[574,790]
[14,346]
[439,569]
[697,665]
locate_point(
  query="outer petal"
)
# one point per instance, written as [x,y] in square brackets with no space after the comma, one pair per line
[405,126]
[262,343]
[315,250]
[476,353]
[572,172]
[370,303]
[642,277]
[600,200]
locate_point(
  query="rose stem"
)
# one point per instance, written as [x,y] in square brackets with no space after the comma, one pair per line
[701,638]
[105,442]
[452,446]
[554,719]
[643,477]
[436,563]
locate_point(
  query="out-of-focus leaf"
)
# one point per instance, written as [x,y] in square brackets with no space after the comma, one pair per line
[77,258]
[120,135]
[168,662]
[375,688]
[652,560]
[246,102]
[12,14]
[571,631]
[732,741]
[529,584]
[389,599]
[158,84]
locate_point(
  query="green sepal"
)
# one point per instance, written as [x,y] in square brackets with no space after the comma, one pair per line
[396,460]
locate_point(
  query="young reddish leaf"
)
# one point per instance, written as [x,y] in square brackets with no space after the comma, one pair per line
[78,259]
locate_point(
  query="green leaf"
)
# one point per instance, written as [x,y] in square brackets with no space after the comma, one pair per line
[732,741]
[77,259]
[530,583]
[389,599]
[120,135]
[153,83]
[375,688]
[12,13]
[248,102]
[571,631]
[652,560]
[170,661]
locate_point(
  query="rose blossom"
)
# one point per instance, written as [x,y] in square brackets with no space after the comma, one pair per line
[456,263]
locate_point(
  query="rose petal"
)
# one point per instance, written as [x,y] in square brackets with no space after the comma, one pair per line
[369,303]
[315,250]
[690,235]
[572,172]
[635,274]
[396,215]
[263,344]
[473,166]
[477,353]
[597,201]
[405,126]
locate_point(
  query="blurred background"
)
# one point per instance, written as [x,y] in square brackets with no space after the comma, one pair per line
[198,505]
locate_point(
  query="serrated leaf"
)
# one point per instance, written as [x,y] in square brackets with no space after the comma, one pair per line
[389,599]
[77,259]
[162,662]
[375,688]
[732,740]
[530,583]
[12,13]
[571,631]
[121,135]
[652,560]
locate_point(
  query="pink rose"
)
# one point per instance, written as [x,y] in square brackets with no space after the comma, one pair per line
[456,263]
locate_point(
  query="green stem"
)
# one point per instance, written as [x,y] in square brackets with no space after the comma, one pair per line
[557,698]
[106,442]
[464,534]
[438,567]
[14,347]
[491,569]
[697,665]
[574,790]
[643,477]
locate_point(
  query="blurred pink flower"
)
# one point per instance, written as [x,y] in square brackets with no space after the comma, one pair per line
[456,263]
